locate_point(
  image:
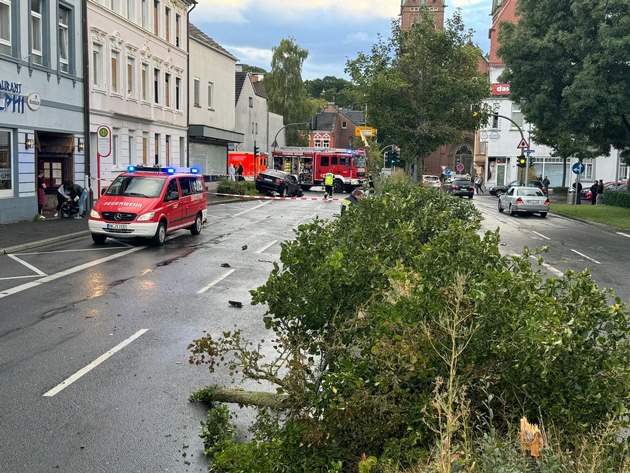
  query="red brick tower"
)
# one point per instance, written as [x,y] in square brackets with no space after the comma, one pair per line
[410,9]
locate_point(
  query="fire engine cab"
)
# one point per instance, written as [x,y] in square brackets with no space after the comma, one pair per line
[312,164]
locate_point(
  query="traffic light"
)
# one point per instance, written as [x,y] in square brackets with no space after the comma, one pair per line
[522,161]
[394,156]
[256,151]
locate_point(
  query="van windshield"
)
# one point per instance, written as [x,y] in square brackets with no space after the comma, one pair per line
[137,186]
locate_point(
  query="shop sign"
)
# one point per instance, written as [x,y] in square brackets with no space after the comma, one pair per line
[10,98]
[34,101]
[500,89]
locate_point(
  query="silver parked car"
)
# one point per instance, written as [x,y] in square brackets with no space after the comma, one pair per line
[524,199]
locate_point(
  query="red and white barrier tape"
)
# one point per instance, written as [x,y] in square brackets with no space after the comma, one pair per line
[265,197]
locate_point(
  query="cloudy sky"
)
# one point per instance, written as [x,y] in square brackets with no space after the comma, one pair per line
[332,31]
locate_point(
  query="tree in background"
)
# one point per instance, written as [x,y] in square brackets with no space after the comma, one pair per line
[287,95]
[422,86]
[567,65]
[336,90]
[254,69]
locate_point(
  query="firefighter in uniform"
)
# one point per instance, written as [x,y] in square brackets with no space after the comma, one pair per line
[352,199]
[329,181]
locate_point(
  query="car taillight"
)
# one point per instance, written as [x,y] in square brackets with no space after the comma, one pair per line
[547,202]
[455,187]
[519,201]
[278,181]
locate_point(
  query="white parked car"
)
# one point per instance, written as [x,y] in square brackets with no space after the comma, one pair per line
[524,199]
[430,180]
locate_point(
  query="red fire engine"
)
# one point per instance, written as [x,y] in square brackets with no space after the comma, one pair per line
[251,165]
[312,164]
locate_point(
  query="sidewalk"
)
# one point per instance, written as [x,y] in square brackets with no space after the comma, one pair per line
[29,234]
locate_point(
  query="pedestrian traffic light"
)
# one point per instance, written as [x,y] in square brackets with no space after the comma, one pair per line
[522,161]
[256,151]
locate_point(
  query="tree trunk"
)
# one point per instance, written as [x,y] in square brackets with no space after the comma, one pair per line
[234,396]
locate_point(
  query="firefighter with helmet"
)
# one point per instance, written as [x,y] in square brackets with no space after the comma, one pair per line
[329,181]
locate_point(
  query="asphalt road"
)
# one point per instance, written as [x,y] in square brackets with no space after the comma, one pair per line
[93,358]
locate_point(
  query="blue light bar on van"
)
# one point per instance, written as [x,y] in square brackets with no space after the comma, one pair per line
[194,171]
[131,169]
[170,170]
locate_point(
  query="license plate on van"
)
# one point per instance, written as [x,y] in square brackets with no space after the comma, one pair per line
[116,226]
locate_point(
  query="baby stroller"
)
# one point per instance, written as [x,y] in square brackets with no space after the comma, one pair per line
[69,209]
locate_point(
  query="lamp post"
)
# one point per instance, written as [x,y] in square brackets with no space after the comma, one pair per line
[522,140]
[275,142]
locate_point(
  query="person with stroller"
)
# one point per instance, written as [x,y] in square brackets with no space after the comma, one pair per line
[62,197]
[77,194]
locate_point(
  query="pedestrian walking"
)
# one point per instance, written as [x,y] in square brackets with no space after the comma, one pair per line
[600,192]
[577,187]
[594,192]
[478,183]
[231,172]
[239,172]
[546,183]
[41,194]
[329,181]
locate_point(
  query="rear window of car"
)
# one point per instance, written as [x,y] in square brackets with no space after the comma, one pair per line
[531,192]
[461,182]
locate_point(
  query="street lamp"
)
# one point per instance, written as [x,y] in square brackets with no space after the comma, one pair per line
[275,142]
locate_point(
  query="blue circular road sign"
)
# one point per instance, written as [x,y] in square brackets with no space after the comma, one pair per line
[578,168]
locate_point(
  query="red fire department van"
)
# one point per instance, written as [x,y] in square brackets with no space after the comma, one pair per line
[312,164]
[150,202]
[251,165]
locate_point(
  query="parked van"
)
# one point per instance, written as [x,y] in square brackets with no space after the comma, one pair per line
[150,202]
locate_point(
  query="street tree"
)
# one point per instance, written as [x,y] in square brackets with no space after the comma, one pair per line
[567,65]
[334,89]
[422,86]
[287,94]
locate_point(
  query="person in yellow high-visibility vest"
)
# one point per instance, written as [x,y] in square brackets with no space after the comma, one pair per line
[329,181]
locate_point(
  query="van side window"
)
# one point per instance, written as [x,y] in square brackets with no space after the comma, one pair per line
[197,185]
[171,191]
[344,161]
[184,184]
[334,160]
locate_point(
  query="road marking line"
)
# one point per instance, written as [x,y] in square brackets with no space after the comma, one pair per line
[28,265]
[20,277]
[253,208]
[216,281]
[72,251]
[542,236]
[584,256]
[61,274]
[265,247]
[83,371]
[623,234]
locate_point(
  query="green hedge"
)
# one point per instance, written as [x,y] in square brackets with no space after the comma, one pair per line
[617,198]
[559,190]
[237,187]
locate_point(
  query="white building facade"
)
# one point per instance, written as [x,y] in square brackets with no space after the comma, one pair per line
[138,83]
[212,125]
[42,118]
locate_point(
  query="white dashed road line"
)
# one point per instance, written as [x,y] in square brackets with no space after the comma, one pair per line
[216,281]
[83,371]
[542,236]
[28,265]
[587,257]
[623,234]
[267,246]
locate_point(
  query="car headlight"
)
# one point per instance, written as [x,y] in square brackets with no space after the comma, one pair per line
[94,214]
[146,216]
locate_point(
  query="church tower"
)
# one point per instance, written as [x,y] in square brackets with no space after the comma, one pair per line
[410,9]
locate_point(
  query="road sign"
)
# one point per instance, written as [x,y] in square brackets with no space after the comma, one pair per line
[447,172]
[578,168]
[529,151]
[103,141]
[523,144]
[460,167]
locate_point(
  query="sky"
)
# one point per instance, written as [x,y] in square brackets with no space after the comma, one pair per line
[332,31]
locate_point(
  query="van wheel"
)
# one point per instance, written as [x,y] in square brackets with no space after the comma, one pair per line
[338,186]
[198,225]
[98,239]
[160,235]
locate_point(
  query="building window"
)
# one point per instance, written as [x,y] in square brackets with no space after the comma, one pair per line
[37,33]
[5,26]
[145,14]
[168,149]
[116,6]
[131,73]
[64,37]
[517,115]
[210,95]
[196,93]
[178,29]
[115,69]
[251,102]
[156,18]
[145,148]
[97,65]
[178,92]
[157,149]
[115,148]
[344,125]
[131,10]
[156,85]
[167,90]
[145,82]
[167,24]
[132,147]
[6,182]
